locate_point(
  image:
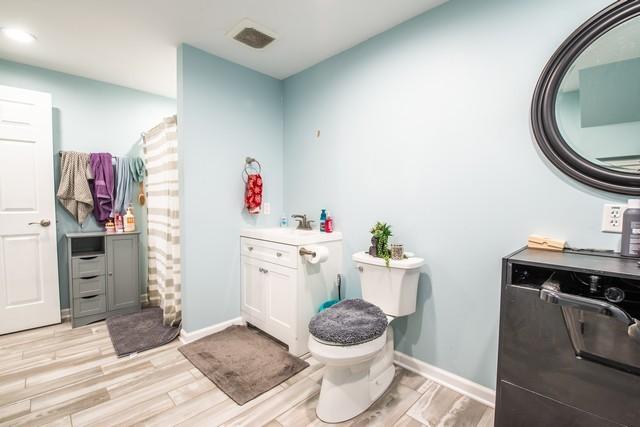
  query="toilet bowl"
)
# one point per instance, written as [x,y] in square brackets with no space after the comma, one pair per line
[359,369]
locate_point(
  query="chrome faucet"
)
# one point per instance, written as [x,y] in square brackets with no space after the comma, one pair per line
[303,222]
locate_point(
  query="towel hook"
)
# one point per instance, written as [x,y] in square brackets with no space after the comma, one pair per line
[249,164]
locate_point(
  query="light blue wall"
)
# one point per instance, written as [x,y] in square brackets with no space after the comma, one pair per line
[610,93]
[427,127]
[620,139]
[225,113]
[90,116]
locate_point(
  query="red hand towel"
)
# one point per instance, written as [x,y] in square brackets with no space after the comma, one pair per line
[253,194]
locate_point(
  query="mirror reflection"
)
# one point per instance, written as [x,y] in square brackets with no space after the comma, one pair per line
[598,104]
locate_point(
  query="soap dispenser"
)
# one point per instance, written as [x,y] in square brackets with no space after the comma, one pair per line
[129,220]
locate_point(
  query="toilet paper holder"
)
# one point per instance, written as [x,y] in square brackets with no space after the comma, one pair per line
[304,251]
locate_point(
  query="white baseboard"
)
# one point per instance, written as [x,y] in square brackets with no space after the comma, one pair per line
[187,337]
[450,380]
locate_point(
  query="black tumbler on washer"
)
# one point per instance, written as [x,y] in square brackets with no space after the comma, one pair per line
[631,230]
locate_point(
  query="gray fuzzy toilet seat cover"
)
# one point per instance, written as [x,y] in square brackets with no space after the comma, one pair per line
[349,322]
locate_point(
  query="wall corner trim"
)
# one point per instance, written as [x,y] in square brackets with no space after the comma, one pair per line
[475,391]
[187,337]
[65,314]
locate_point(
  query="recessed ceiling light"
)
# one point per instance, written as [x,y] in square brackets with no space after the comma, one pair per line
[18,35]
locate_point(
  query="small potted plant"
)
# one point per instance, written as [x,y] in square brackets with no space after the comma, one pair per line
[380,240]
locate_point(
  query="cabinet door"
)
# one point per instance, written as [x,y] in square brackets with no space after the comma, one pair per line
[281,301]
[252,291]
[123,285]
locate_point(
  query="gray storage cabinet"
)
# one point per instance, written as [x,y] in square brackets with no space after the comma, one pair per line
[103,275]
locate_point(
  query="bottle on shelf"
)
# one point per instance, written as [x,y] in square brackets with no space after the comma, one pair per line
[631,230]
[119,223]
[110,227]
[328,225]
[323,219]
[129,220]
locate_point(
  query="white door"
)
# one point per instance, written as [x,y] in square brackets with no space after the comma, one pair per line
[252,289]
[281,301]
[29,294]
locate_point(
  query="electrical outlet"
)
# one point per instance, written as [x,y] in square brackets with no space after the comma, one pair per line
[267,208]
[612,218]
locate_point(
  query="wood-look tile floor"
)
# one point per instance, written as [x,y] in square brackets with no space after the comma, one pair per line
[58,376]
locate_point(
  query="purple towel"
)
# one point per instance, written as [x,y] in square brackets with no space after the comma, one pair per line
[102,185]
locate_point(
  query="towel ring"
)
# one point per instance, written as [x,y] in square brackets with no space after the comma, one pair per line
[249,164]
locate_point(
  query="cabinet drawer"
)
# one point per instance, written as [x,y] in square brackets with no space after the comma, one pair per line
[88,286]
[89,305]
[87,266]
[276,253]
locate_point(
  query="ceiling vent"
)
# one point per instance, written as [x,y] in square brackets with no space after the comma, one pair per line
[251,34]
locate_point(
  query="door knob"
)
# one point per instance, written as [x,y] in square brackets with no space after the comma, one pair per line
[42,222]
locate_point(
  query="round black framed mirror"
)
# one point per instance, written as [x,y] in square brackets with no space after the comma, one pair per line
[585,112]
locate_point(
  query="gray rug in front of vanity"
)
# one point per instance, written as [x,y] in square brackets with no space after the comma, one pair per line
[135,332]
[242,362]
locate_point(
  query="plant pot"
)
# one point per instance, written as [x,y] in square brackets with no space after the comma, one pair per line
[373,249]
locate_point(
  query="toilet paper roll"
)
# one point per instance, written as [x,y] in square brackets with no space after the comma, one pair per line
[322,254]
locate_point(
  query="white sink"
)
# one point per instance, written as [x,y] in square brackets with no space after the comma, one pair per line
[290,236]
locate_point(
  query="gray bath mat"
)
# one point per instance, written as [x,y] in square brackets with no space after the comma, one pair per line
[242,362]
[131,333]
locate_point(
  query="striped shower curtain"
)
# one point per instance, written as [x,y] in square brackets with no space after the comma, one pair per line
[163,219]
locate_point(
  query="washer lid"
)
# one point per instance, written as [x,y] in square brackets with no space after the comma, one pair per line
[407,263]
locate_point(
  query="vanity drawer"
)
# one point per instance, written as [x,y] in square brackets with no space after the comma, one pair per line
[87,306]
[87,266]
[276,253]
[88,286]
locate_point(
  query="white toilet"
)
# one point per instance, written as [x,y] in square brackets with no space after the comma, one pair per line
[357,374]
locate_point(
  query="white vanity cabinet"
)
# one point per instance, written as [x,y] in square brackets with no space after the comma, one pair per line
[268,293]
[280,290]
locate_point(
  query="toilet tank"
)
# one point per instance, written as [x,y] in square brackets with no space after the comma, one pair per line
[394,288]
